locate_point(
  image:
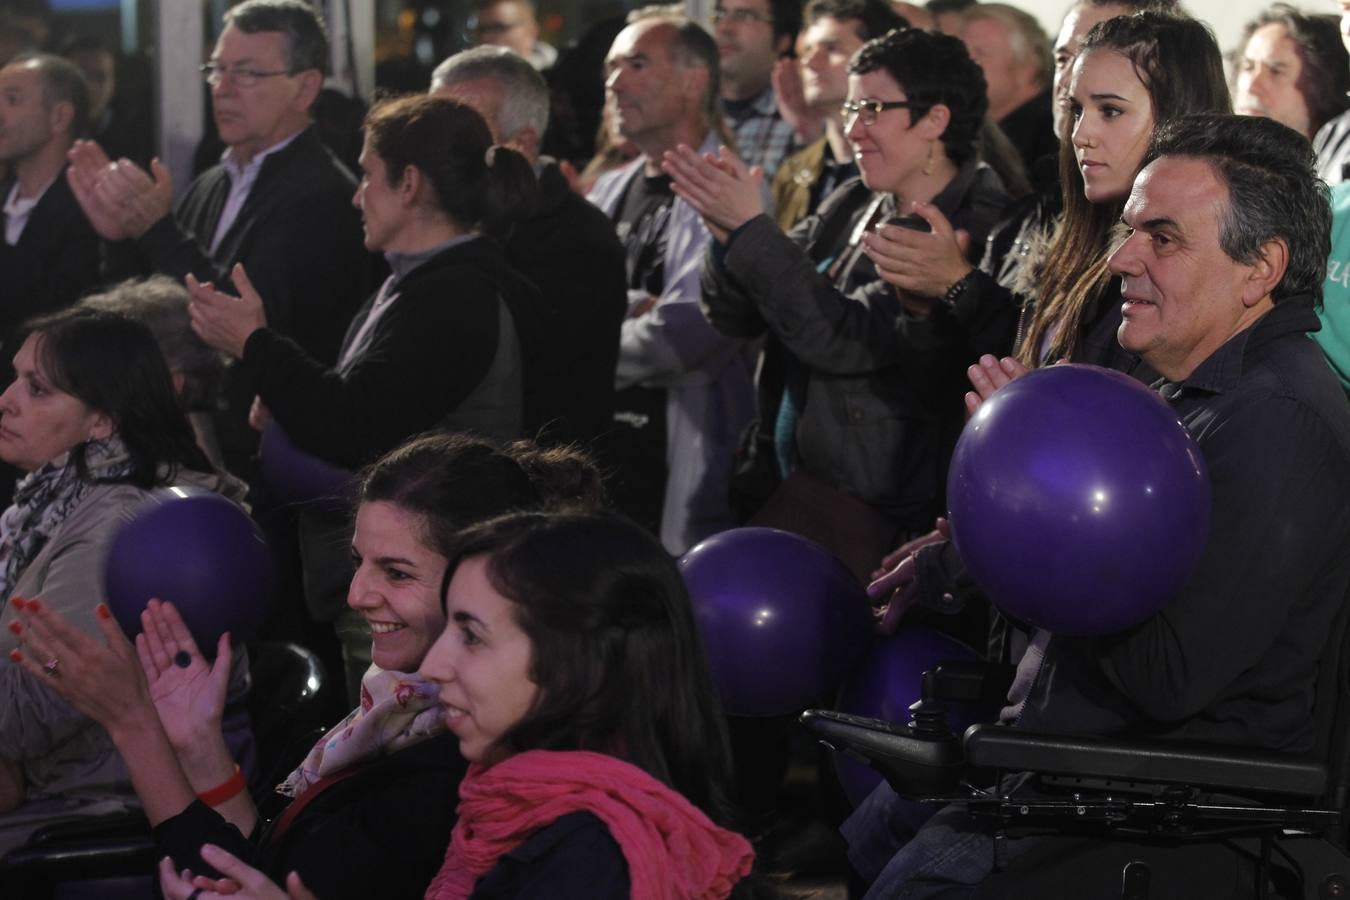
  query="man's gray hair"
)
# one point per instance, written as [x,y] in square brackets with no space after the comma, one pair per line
[524,92]
[1274,193]
[161,304]
[1029,42]
[297,21]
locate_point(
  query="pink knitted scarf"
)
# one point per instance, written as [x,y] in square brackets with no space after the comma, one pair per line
[673,851]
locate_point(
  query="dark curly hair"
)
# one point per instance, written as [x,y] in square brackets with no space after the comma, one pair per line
[932,69]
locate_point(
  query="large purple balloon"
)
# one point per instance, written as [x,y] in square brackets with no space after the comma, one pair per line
[782,619]
[202,553]
[886,682]
[295,476]
[1078,500]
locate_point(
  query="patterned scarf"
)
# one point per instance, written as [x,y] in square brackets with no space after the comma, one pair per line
[396,711]
[673,850]
[44,497]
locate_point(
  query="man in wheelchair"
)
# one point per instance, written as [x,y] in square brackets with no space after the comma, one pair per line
[1228,232]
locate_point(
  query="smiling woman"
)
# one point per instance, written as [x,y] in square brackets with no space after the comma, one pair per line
[865,385]
[572,674]
[390,762]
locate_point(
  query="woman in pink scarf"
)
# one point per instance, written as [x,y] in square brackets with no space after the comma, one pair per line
[572,673]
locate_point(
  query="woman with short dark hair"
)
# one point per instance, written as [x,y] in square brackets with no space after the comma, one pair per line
[860,387]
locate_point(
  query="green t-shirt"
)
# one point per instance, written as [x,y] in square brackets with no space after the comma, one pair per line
[1334,338]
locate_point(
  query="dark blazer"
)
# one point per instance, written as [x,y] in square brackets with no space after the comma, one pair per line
[298,236]
[55,262]
[568,248]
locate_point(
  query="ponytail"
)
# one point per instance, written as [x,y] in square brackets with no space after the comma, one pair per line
[512,193]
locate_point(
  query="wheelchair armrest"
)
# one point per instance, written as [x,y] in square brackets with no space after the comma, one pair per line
[99,846]
[1154,762]
[970,681]
[914,763]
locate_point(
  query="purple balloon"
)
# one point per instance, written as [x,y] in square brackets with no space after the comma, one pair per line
[295,476]
[202,553]
[782,619]
[1078,500]
[886,682]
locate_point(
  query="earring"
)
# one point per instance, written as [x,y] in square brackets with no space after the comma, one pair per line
[928,165]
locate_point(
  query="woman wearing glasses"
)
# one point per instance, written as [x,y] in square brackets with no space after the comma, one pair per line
[861,383]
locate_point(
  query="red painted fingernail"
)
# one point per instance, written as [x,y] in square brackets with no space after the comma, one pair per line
[15,656]
[34,605]
[102,611]
[16,601]
[15,627]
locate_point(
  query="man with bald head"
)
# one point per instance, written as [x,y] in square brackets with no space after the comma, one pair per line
[568,248]
[685,390]
[50,254]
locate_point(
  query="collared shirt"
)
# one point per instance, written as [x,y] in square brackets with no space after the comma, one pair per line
[1233,657]
[18,209]
[400,264]
[241,182]
[763,138]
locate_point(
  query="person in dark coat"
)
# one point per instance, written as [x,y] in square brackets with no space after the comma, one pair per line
[567,248]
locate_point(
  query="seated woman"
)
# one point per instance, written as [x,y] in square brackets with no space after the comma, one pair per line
[91,417]
[861,385]
[387,764]
[572,674]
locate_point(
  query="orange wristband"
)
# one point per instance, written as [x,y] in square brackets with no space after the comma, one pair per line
[230,788]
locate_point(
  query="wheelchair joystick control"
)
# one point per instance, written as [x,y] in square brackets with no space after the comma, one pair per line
[928,718]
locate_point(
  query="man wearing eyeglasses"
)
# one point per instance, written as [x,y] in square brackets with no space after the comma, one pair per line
[751,36]
[278,202]
[511,24]
[835,30]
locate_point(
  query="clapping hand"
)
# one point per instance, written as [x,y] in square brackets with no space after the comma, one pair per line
[719,187]
[987,376]
[102,679]
[921,264]
[120,199]
[222,321]
[242,881]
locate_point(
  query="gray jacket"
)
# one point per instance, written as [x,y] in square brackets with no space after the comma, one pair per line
[883,389]
[64,754]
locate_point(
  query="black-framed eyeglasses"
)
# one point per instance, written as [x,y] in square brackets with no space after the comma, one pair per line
[242,76]
[868,110]
[475,30]
[741,16]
